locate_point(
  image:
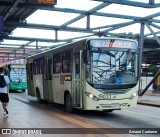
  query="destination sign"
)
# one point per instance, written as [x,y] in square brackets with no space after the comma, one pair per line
[114,43]
[46,1]
[43,2]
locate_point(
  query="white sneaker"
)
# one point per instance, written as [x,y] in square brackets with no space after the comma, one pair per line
[5,113]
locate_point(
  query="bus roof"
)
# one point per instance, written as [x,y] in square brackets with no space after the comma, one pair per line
[72,44]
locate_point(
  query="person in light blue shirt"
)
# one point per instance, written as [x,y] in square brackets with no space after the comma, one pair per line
[4,91]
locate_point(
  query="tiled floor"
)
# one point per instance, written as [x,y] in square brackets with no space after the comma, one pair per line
[151,98]
[24,114]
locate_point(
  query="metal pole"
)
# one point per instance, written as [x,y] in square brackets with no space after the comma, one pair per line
[141,42]
[81,80]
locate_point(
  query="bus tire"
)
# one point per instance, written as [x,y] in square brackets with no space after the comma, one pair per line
[68,103]
[38,96]
[23,90]
[109,110]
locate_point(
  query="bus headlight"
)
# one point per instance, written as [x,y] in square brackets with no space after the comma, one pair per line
[133,95]
[91,96]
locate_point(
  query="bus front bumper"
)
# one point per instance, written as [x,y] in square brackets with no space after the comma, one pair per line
[110,104]
[17,86]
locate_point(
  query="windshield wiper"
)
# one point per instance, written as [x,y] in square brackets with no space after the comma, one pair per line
[106,52]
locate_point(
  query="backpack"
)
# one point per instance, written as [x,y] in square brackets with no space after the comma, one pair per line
[2,81]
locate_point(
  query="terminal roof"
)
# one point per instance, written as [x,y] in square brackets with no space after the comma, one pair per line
[31,27]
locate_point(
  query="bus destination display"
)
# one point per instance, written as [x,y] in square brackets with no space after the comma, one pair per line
[112,43]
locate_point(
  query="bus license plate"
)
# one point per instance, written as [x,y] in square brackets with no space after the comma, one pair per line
[115,105]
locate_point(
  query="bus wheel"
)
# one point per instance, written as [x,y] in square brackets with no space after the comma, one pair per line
[23,90]
[38,96]
[68,103]
[109,110]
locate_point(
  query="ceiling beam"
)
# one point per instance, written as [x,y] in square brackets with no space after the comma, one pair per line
[132,3]
[30,39]
[29,6]
[11,9]
[86,13]
[46,27]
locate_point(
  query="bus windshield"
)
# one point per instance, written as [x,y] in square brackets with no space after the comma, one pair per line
[110,67]
[18,74]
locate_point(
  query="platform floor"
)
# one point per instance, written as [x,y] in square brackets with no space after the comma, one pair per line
[27,114]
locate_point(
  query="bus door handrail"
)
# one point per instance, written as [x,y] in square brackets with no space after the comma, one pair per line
[77,80]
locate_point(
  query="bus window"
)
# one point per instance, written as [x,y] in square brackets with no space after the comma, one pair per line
[28,71]
[57,65]
[40,65]
[34,67]
[31,71]
[49,69]
[77,64]
[66,63]
[44,69]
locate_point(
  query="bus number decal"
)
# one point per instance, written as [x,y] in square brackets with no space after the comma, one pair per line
[104,97]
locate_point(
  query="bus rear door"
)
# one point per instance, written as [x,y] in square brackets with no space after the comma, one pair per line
[49,76]
[30,84]
[45,80]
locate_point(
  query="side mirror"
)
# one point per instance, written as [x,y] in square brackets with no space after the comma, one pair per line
[85,56]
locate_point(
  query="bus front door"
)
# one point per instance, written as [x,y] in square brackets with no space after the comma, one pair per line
[77,86]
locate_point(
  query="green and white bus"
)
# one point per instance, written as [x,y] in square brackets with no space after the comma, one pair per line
[89,74]
[17,76]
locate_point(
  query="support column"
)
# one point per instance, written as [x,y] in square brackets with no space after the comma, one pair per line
[36,44]
[88,21]
[141,43]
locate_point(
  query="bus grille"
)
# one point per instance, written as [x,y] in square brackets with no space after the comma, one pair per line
[124,104]
[105,105]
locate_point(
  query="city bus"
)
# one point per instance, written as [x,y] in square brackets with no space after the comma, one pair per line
[17,76]
[89,74]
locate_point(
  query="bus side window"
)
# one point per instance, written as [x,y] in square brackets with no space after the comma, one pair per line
[66,63]
[57,63]
[44,68]
[28,71]
[40,65]
[34,67]
[77,66]
[31,71]
[49,69]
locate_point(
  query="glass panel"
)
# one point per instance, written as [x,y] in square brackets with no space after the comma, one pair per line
[18,75]
[112,67]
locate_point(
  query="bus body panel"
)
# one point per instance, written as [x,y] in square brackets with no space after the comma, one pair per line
[18,86]
[56,88]
[50,90]
[59,88]
[45,89]
[38,83]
